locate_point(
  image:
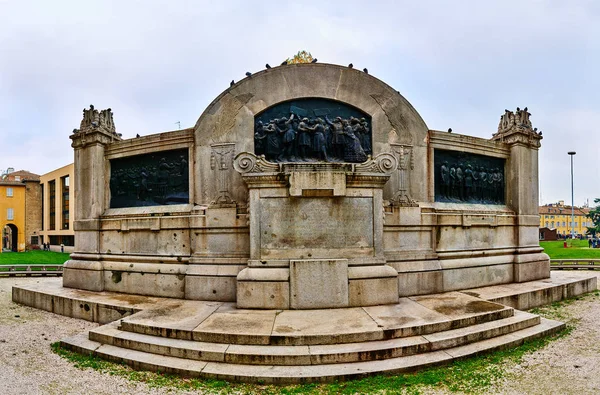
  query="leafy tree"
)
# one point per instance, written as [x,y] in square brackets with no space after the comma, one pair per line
[594,215]
[300,57]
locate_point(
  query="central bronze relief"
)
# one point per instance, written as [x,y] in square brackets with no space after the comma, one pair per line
[310,130]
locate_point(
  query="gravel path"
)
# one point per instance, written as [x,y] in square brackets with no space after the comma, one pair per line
[570,365]
[28,365]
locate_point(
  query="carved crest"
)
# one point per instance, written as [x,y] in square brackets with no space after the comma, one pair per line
[93,119]
[516,128]
[221,161]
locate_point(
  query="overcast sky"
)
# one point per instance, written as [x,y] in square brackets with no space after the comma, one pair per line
[460,64]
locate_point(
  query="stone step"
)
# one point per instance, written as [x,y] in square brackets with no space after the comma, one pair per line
[314,354]
[319,327]
[278,374]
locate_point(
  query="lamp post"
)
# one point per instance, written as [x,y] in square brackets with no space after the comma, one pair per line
[571,153]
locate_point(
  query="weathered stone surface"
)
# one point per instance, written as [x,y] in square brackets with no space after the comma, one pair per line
[243,210]
[299,224]
[318,283]
[231,325]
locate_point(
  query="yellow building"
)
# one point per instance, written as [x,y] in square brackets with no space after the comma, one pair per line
[57,208]
[16,190]
[558,216]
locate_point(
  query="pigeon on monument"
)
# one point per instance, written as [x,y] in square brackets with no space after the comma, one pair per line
[248,74]
[284,63]
[350,66]
[314,60]
[449,130]
[366,71]
[137,136]
[232,83]
[267,66]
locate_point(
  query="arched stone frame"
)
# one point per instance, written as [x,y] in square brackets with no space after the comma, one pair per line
[230,119]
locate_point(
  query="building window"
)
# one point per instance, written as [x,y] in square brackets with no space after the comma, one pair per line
[563,223]
[17,178]
[552,224]
[9,192]
[34,240]
[64,181]
[52,195]
[546,224]
[10,214]
[43,205]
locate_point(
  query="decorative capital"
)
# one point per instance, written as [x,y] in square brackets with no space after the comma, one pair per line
[516,128]
[247,162]
[385,163]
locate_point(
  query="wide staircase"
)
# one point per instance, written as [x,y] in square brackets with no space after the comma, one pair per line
[216,340]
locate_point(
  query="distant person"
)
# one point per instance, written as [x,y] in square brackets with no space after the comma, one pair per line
[590,243]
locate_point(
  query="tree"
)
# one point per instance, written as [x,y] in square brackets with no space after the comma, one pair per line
[300,57]
[594,215]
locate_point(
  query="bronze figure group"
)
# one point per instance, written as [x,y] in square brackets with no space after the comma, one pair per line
[303,139]
[149,181]
[464,182]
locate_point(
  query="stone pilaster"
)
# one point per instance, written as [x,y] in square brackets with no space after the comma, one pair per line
[522,193]
[92,171]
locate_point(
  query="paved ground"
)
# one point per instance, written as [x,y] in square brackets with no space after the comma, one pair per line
[570,365]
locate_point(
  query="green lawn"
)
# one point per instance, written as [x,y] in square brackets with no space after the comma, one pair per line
[33,257]
[576,249]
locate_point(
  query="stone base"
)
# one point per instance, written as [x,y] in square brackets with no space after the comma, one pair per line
[420,283]
[263,289]
[216,340]
[217,288]
[211,282]
[318,283]
[88,275]
[372,285]
[531,267]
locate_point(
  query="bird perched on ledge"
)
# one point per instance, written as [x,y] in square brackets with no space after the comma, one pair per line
[267,66]
[350,66]
[284,63]
[232,83]
[366,71]
[314,60]
[449,130]
[248,74]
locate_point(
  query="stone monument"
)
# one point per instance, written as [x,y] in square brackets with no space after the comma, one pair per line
[309,227]
[305,187]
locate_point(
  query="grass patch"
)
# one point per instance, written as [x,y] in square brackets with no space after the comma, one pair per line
[33,257]
[576,249]
[472,375]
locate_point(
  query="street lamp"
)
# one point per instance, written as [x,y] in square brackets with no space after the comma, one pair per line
[571,153]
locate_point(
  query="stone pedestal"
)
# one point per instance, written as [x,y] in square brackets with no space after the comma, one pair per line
[316,235]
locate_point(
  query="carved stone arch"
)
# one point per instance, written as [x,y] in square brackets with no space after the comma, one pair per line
[230,118]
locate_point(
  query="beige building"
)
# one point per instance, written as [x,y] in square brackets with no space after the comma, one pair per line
[57,208]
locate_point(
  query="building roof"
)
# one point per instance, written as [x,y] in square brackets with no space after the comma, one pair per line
[12,183]
[23,174]
[553,209]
